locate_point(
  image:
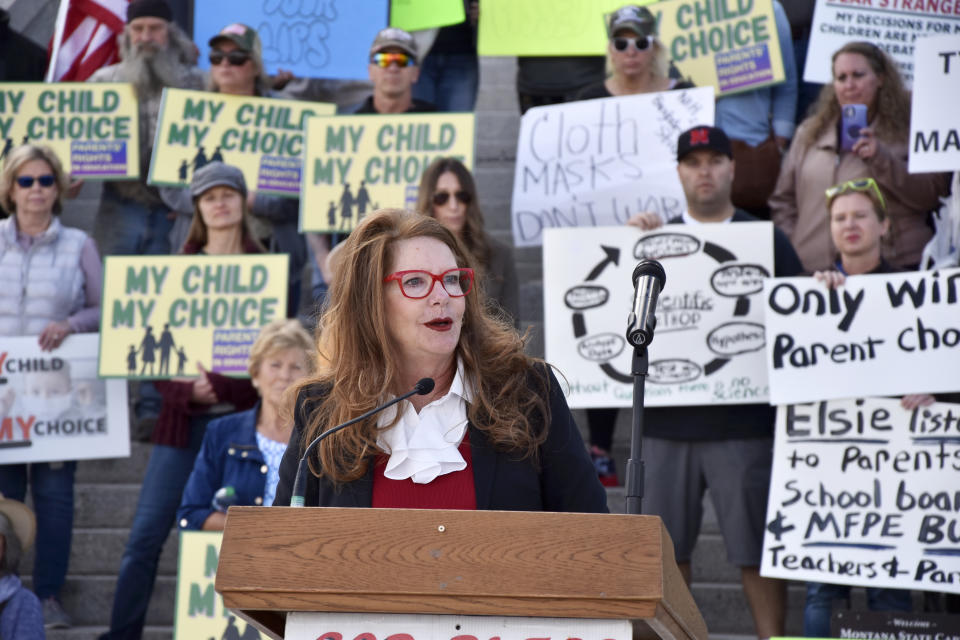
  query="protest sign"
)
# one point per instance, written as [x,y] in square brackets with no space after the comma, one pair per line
[882,334]
[309,38]
[94,128]
[729,46]
[864,492]
[261,136]
[892,25]
[199,610]
[709,339]
[900,625]
[597,162]
[161,315]
[354,165]
[53,406]
[538,28]
[934,125]
[414,15]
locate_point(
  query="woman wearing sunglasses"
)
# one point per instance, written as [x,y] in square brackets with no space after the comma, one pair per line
[862,75]
[858,221]
[449,194]
[236,68]
[493,433]
[639,61]
[51,279]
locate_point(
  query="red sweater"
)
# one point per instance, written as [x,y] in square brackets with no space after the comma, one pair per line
[449,491]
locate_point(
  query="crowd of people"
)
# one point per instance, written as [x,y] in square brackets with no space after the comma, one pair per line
[433,294]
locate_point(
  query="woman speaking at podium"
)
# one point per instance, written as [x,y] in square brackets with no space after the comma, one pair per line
[494,432]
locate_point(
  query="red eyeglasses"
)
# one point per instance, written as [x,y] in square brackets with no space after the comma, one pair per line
[418,284]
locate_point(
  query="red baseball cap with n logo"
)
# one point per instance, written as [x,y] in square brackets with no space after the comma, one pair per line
[703,137]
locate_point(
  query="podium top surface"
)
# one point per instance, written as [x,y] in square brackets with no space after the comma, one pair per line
[566,565]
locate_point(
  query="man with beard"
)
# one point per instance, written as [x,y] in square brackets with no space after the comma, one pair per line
[155,53]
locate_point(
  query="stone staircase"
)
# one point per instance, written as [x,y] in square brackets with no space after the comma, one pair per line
[107,490]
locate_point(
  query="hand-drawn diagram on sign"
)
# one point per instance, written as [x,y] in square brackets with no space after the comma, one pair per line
[864,492]
[708,347]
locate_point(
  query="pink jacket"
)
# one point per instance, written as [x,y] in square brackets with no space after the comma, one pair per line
[799,205]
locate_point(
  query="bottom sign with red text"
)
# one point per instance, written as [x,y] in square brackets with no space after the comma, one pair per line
[54,407]
[383,626]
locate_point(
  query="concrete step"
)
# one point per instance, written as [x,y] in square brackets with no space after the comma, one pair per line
[89,599]
[104,506]
[90,632]
[495,185]
[97,552]
[724,608]
[497,133]
[113,471]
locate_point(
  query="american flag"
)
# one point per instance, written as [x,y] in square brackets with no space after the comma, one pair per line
[85,38]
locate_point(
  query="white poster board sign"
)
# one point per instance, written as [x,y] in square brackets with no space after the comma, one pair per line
[54,407]
[934,115]
[708,345]
[892,25]
[882,334]
[864,492]
[597,162]
[406,626]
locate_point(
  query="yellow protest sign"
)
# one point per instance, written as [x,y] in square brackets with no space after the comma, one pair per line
[261,136]
[199,611]
[731,45]
[94,128]
[161,315]
[544,27]
[354,165]
[414,15]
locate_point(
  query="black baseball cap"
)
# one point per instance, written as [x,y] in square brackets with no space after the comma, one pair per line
[703,137]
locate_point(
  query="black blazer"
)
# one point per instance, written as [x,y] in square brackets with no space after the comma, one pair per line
[565,480]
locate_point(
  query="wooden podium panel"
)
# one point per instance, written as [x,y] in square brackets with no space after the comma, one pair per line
[535,564]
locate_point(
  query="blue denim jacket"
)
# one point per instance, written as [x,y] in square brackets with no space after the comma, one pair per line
[228,457]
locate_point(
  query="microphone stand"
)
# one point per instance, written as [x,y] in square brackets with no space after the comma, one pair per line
[634,482]
[648,280]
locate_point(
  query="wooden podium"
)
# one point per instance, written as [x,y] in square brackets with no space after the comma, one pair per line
[488,563]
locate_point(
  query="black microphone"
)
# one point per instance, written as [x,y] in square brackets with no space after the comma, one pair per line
[422,388]
[648,281]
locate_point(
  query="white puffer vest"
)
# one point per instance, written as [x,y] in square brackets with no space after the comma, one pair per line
[42,284]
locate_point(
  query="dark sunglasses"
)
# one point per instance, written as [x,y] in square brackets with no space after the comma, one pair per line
[640,44]
[384,60]
[440,197]
[236,58]
[26,182]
